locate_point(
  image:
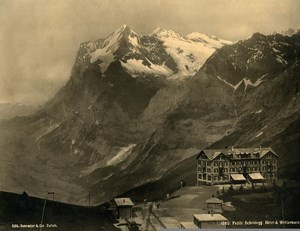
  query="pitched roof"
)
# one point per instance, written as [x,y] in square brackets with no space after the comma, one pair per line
[235,152]
[213,200]
[209,217]
[123,202]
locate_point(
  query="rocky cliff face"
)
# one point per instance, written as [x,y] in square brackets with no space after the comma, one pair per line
[124,119]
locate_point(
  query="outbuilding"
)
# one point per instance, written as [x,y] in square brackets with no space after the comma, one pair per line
[123,208]
[214,205]
[210,221]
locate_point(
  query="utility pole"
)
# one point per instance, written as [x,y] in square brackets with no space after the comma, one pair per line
[282,210]
[44,208]
[89,198]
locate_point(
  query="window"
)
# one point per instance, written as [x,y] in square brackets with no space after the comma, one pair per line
[215,178]
[199,176]
[221,171]
[209,178]
[274,161]
[225,164]
[208,163]
[264,168]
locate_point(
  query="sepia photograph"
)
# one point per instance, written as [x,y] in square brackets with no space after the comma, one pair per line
[149,115]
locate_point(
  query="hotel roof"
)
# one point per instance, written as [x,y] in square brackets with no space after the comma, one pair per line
[236,153]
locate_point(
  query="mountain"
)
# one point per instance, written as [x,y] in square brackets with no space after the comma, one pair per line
[11,110]
[267,101]
[289,32]
[162,53]
[265,96]
[122,121]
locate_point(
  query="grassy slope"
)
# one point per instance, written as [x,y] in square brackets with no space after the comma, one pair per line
[168,183]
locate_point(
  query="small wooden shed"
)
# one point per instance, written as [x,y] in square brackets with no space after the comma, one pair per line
[123,208]
[210,221]
[214,205]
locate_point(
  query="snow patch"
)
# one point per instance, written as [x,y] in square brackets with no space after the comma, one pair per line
[50,129]
[192,54]
[229,84]
[255,57]
[123,153]
[281,60]
[135,66]
[259,134]
[259,111]
[248,82]
[213,40]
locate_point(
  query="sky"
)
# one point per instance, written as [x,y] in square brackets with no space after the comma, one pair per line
[39,38]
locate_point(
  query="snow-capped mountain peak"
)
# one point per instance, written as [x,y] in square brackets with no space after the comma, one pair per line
[105,53]
[164,32]
[125,31]
[208,39]
[161,53]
